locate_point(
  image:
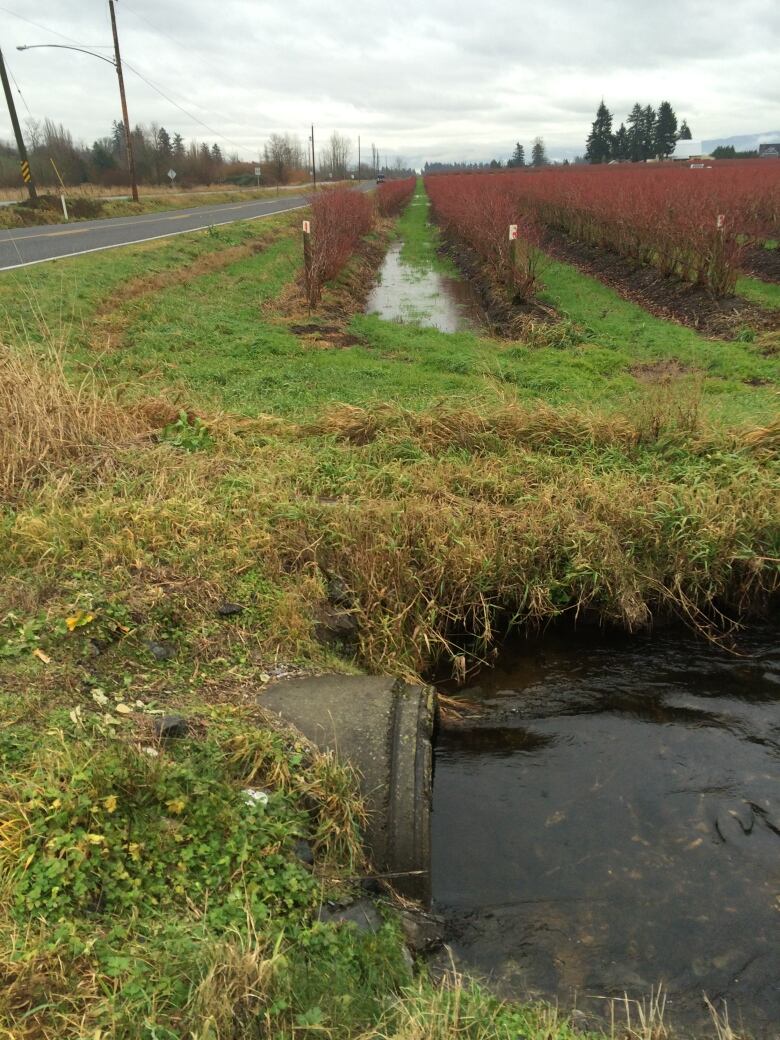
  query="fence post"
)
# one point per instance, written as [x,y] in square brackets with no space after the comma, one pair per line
[512,251]
[307,260]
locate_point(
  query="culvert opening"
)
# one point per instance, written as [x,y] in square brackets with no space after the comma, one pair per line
[607,818]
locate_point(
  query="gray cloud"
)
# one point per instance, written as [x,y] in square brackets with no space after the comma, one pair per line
[421,78]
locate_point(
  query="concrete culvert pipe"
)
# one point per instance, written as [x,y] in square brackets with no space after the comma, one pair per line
[384,728]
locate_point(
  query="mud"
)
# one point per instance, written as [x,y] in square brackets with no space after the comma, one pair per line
[762,263]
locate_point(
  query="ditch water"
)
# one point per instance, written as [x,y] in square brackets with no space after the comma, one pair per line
[610,821]
[417,295]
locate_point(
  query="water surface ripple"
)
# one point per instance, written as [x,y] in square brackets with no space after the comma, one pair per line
[612,821]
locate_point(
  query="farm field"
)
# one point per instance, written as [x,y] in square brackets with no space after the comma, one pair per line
[694,228]
[183,429]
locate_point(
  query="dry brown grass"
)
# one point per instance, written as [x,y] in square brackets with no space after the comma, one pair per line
[231,1000]
[765,438]
[47,423]
[446,426]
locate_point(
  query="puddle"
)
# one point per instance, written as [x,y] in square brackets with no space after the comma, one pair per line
[419,296]
[612,821]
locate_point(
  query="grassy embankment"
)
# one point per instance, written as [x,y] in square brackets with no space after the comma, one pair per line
[616,466]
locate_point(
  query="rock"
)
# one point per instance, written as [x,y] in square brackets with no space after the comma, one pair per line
[162,651]
[422,932]
[229,609]
[338,593]
[169,727]
[304,852]
[337,626]
[363,914]
[580,1022]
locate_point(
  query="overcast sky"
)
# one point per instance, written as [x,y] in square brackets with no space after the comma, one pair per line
[424,79]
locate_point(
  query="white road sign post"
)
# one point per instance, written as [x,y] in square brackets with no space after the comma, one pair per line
[258,174]
[172,176]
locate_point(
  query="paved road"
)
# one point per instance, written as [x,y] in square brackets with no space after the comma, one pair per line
[21,247]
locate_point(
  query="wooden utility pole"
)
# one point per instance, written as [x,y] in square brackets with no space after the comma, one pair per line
[125,116]
[359,178]
[24,161]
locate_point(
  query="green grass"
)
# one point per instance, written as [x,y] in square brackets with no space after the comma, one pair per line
[420,240]
[765,294]
[447,481]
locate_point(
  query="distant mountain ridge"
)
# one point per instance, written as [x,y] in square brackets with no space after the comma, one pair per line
[743,142]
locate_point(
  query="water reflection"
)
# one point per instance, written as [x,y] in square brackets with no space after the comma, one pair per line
[613,821]
[421,296]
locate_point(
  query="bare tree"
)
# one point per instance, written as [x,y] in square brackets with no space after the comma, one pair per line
[334,158]
[284,155]
[34,133]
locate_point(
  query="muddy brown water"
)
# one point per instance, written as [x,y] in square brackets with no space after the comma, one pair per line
[417,295]
[611,821]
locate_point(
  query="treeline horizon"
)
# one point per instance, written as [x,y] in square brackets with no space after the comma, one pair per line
[646,133]
[284,159]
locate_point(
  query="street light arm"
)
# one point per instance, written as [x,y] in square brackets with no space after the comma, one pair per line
[64,47]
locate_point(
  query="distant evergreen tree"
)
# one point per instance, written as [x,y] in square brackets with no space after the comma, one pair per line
[685,132]
[118,136]
[103,157]
[216,153]
[665,130]
[725,151]
[164,147]
[178,148]
[518,157]
[649,120]
[621,144]
[635,123]
[538,153]
[599,142]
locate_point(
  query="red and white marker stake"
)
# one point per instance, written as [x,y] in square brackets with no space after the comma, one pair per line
[513,232]
[307,227]
[721,221]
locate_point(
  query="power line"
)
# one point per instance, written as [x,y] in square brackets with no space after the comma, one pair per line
[151,25]
[181,46]
[140,75]
[175,104]
[21,95]
[43,27]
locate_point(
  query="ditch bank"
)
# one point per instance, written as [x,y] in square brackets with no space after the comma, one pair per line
[505,316]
